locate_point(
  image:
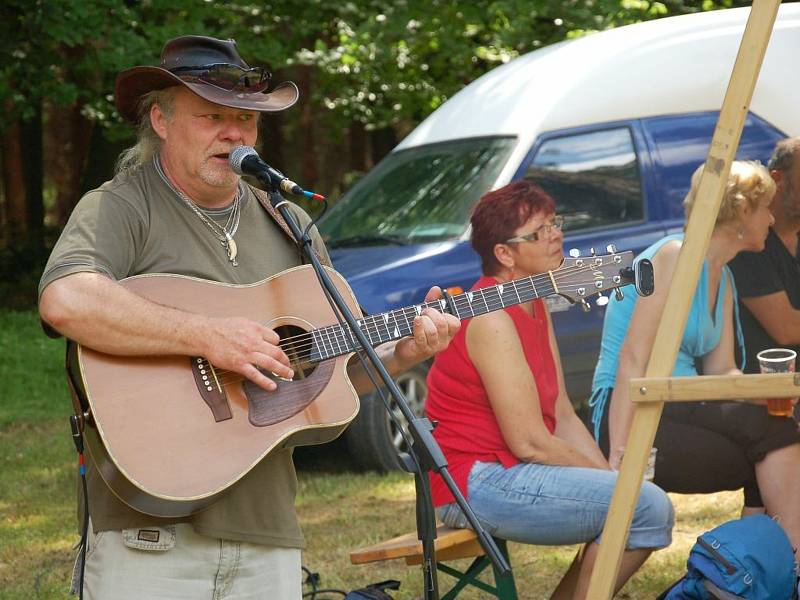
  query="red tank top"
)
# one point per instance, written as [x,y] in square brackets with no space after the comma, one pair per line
[467,429]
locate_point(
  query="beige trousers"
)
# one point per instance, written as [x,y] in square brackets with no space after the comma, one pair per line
[175,563]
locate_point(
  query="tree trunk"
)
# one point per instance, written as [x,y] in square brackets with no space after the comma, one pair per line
[32,156]
[359,147]
[272,141]
[69,135]
[308,166]
[101,159]
[383,141]
[16,208]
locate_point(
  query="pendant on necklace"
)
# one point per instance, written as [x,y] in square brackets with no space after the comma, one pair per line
[230,245]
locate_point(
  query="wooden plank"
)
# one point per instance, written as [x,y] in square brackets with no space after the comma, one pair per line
[467,549]
[409,545]
[684,281]
[715,387]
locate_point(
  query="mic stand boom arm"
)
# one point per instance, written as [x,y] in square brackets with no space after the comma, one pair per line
[426,449]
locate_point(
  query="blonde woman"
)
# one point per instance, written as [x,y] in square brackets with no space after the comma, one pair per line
[703,447]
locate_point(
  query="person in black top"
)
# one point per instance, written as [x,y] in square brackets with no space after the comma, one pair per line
[769,281]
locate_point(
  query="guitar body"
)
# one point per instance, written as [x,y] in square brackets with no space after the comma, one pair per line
[162,447]
[171,433]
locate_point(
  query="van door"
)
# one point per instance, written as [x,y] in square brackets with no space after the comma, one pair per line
[678,144]
[598,177]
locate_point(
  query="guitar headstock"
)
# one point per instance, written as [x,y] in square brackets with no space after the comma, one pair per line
[581,277]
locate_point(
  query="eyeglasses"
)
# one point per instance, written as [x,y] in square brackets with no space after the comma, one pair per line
[557,222]
[231,78]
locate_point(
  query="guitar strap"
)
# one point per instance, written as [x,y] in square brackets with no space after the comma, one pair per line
[263,199]
[78,405]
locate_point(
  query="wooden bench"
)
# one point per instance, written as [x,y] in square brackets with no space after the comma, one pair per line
[450,545]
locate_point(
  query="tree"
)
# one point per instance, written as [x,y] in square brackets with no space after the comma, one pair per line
[368,71]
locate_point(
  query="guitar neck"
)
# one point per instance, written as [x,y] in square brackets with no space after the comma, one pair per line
[336,340]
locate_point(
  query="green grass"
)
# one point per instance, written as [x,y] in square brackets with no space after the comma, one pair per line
[340,509]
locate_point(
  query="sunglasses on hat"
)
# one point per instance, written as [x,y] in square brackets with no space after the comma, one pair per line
[231,78]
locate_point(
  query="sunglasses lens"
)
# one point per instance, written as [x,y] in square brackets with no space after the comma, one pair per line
[233,78]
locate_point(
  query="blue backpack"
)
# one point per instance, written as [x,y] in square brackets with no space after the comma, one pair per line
[747,558]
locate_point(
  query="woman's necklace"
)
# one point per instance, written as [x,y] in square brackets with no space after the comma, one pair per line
[223,233]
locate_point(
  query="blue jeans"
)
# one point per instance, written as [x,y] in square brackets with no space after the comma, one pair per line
[552,505]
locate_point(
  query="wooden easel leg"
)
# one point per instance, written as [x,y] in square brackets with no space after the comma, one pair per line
[665,348]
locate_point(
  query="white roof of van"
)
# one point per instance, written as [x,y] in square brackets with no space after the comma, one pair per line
[667,66]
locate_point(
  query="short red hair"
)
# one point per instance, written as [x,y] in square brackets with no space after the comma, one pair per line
[498,214]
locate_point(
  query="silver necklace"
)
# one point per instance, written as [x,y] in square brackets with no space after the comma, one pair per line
[223,233]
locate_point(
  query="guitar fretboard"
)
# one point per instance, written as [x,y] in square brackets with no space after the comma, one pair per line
[335,340]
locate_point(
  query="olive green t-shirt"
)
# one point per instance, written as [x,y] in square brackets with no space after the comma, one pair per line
[136,224]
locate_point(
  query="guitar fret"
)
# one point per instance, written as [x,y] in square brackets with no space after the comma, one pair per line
[344,331]
[316,354]
[385,321]
[409,326]
[318,344]
[327,331]
[470,296]
[367,331]
[496,291]
[457,300]
[340,341]
[332,337]
[516,291]
[354,343]
[506,294]
[396,330]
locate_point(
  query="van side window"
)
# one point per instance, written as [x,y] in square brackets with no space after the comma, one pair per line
[681,143]
[593,177]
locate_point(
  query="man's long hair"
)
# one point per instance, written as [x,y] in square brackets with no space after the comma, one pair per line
[147,141]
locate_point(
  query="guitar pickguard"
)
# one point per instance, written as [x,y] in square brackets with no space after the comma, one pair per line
[291,397]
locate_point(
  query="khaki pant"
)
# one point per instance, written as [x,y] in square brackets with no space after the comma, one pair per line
[175,563]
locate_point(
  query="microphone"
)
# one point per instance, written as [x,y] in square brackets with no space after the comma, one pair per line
[244,160]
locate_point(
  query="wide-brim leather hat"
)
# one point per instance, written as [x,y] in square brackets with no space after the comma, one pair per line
[196,51]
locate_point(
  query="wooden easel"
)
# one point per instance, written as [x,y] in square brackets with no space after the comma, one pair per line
[657,386]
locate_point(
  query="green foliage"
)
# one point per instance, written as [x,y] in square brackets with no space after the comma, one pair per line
[379,62]
[32,371]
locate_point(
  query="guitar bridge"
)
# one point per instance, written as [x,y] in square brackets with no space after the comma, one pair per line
[210,389]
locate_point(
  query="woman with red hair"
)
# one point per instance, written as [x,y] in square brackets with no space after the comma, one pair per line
[515,447]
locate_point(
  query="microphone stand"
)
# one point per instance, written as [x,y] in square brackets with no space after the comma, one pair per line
[424,447]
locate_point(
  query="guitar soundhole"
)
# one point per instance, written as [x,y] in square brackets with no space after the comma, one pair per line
[297,343]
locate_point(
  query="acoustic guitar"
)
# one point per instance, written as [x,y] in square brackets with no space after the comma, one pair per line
[169,434]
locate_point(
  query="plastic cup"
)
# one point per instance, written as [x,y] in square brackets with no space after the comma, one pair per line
[778,360]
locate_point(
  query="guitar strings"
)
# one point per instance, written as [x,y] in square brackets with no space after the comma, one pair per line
[461,298]
[338,342]
[337,336]
[300,345]
[374,325]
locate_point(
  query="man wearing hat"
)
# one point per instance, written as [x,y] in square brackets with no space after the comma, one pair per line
[175,206]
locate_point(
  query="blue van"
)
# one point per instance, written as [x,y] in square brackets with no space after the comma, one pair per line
[612,125]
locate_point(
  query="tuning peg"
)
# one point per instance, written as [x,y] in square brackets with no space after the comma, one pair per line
[611,249]
[574,252]
[618,294]
[601,300]
[585,306]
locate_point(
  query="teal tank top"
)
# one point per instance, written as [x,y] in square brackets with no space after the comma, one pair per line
[701,334]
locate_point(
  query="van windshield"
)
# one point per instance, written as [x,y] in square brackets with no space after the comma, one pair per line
[422,194]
